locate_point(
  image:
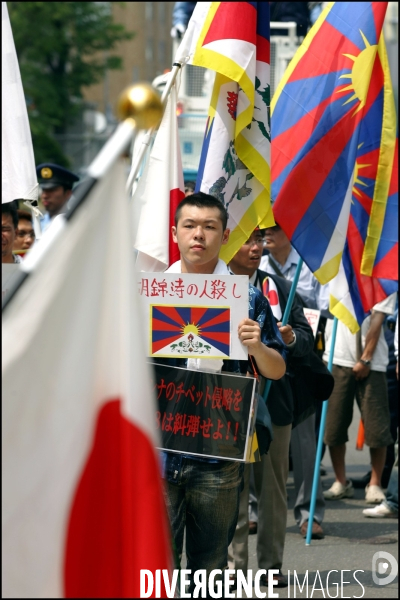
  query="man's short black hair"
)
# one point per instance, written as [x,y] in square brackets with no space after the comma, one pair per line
[8,208]
[202,200]
[24,214]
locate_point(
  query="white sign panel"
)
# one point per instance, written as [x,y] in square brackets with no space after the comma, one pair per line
[194,316]
[312,315]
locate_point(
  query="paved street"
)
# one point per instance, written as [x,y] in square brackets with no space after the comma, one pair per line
[350,542]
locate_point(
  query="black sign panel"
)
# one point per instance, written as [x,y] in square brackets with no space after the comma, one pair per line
[206,414]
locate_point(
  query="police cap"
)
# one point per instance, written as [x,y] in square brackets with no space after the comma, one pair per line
[51,176]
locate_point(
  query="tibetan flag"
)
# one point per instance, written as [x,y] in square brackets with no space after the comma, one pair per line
[336,79]
[83,509]
[232,38]
[353,294]
[157,196]
[190,331]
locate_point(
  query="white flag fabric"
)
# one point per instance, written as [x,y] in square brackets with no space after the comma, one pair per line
[187,47]
[18,179]
[83,510]
[157,196]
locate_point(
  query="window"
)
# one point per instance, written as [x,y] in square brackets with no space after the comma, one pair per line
[149,49]
[148,11]
[162,51]
[136,74]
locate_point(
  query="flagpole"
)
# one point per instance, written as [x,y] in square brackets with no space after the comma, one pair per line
[320,441]
[140,106]
[148,136]
[286,314]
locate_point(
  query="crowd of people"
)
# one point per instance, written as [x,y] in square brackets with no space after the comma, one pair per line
[218,502]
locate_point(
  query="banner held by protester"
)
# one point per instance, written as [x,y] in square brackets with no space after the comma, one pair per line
[233,39]
[316,126]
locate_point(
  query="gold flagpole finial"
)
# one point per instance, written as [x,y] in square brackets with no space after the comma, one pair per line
[142,103]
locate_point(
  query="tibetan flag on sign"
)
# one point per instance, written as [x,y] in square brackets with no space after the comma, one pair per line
[189,330]
[157,196]
[232,38]
[18,177]
[83,508]
[336,79]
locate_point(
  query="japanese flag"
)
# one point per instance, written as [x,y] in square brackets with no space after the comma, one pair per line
[157,196]
[83,509]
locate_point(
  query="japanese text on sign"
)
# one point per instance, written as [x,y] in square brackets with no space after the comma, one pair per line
[213,289]
[205,414]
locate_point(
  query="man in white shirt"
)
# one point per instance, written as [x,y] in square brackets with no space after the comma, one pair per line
[359,369]
[203,494]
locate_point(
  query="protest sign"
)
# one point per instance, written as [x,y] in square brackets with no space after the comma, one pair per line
[193,315]
[205,414]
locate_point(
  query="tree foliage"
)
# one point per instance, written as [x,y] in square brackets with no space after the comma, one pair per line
[61,48]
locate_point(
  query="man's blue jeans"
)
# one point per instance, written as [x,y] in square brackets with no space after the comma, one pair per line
[204,496]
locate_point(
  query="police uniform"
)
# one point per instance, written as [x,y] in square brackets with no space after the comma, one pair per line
[51,176]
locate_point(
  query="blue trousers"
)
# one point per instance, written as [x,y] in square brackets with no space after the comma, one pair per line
[204,497]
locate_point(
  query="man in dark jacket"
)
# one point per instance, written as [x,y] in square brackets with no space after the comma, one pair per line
[271,473]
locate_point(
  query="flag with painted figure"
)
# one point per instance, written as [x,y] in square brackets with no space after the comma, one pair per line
[317,115]
[156,198]
[83,508]
[232,38]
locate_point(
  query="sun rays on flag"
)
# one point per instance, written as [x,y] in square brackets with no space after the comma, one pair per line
[356,179]
[360,74]
[191,328]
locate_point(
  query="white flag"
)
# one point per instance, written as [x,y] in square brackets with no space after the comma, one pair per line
[83,510]
[18,179]
[157,196]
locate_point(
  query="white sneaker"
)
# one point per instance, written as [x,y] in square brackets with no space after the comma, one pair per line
[374,494]
[381,511]
[338,491]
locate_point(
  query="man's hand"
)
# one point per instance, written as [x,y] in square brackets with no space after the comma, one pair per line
[361,371]
[269,362]
[250,335]
[286,332]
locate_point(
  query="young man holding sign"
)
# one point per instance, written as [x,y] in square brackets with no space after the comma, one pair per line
[203,494]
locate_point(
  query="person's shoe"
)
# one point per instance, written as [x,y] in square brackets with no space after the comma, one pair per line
[317,531]
[252,527]
[322,470]
[362,482]
[381,511]
[338,491]
[374,494]
[279,577]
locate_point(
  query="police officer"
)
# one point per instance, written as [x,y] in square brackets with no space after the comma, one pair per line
[56,188]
